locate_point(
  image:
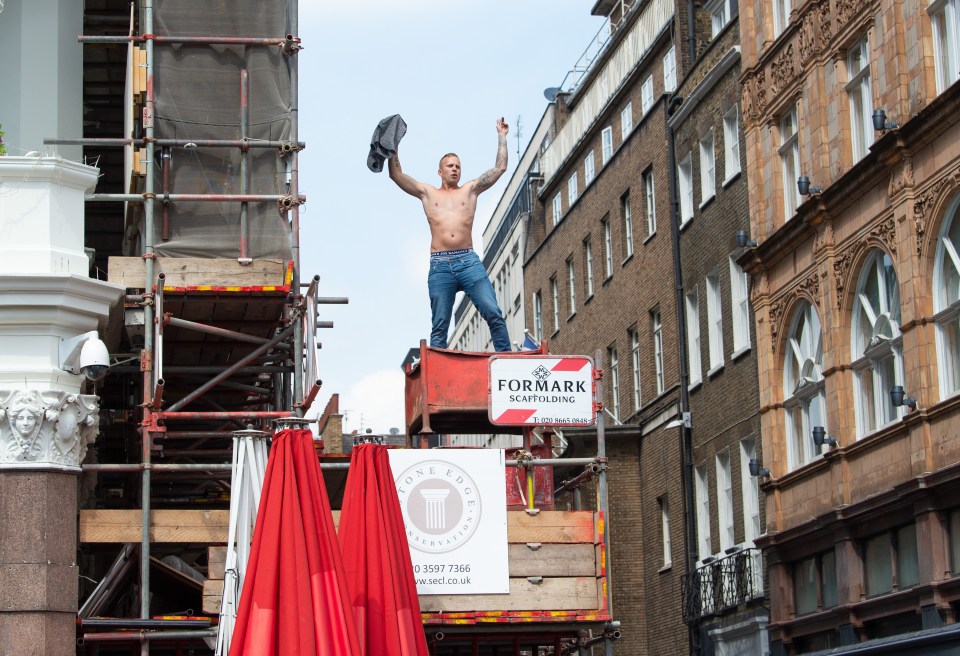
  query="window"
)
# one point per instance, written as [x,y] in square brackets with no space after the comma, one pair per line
[670,70]
[789,162]
[635,366]
[658,349]
[538,316]
[750,491]
[588,265]
[555,294]
[804,398]
[627,226]
[626,121]
[946,301]
[607,248]
[739,307]
[572,189]
[708,169]
[725,501]
[877,344]
[650,202]
[719,15]
[606,140]
[557,213]
[693,337]
[781,15]
[702,491]
[571,280]
[945,19]
[861,102]
[954,528]
[588,169]
[614,382]
[815,583]
[890,561]
[646,94]
[685,182]
[665,531]
[731,144]
[715,321]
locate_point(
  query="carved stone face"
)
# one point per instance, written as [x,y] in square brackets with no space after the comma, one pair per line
[25,421]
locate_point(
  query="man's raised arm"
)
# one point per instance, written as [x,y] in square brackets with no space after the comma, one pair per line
[403,180]
[487,180]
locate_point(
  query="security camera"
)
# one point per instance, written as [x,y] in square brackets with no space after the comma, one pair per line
[94,359]
[85,354]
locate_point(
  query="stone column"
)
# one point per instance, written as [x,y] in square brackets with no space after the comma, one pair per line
[47,420]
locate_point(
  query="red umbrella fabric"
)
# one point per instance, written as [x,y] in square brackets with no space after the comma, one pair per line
[376,558]
[294,600]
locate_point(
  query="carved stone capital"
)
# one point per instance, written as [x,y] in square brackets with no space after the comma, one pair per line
[47,429]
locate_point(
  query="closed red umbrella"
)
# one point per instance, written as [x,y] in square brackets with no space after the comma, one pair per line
[376,558]
[294,600]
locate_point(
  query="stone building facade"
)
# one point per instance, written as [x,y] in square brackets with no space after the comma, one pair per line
[856,298]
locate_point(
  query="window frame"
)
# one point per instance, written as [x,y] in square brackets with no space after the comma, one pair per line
[666,542]
[607,247]
[731,144]
[646,94]
[945,289]
[557,208]
[588,267]
[588,169]
[657,330]
[715,322]
[538,315]
[606,145]
[720,15]
[670,71]
[626,214]
[650,201]
[702,501]
[685,188]
[635,367]
[694,364]
[860,96]
[803,386]
[739,308]
[571,286]
[555,294]
[725,521]
[708,168]
[946,41]
[626,121]
[789,152]
[572,190]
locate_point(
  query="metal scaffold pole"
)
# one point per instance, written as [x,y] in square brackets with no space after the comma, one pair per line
[148,349]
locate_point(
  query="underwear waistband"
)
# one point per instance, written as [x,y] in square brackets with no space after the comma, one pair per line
[461,251]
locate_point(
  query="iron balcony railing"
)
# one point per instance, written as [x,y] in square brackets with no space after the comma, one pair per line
[722,584]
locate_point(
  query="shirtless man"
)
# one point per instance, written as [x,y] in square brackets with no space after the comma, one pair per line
[454,266]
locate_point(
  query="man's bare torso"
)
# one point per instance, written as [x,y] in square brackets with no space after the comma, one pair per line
[450,214]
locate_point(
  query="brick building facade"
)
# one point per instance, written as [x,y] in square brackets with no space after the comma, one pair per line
[855,293]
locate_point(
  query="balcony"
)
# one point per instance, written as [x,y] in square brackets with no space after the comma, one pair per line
[722,585]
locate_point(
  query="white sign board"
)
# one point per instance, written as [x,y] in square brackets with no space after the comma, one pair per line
[541,390]
[454,505]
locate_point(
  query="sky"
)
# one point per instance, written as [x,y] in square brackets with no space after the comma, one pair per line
[450,69]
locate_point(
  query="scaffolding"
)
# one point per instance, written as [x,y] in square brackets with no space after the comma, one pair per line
[219,329]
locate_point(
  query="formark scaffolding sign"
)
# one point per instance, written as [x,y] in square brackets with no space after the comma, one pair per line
[541,391]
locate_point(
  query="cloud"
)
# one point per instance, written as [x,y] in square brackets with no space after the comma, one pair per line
[375,402]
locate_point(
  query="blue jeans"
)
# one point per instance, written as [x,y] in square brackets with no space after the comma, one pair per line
[454,272]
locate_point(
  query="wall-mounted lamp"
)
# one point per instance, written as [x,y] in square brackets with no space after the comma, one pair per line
[820,437]
[899,398]
[880,121]
[803,186]
[744,241]
[756,469]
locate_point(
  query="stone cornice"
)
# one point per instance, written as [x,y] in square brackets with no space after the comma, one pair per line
[48,169]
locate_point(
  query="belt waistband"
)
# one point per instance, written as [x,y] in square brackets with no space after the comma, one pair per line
[462,251]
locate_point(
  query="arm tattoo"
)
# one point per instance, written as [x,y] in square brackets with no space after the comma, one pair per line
[501,151]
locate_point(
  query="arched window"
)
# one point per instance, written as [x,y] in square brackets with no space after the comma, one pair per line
[946,298]
[877,345]
[804,400]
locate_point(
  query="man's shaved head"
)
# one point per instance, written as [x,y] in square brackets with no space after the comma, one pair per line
[446,156]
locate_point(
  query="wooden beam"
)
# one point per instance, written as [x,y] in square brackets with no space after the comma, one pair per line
[190,272]
[210,526]
[575,593]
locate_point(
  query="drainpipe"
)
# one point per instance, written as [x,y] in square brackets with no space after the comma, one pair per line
[686,433]
[691,33]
